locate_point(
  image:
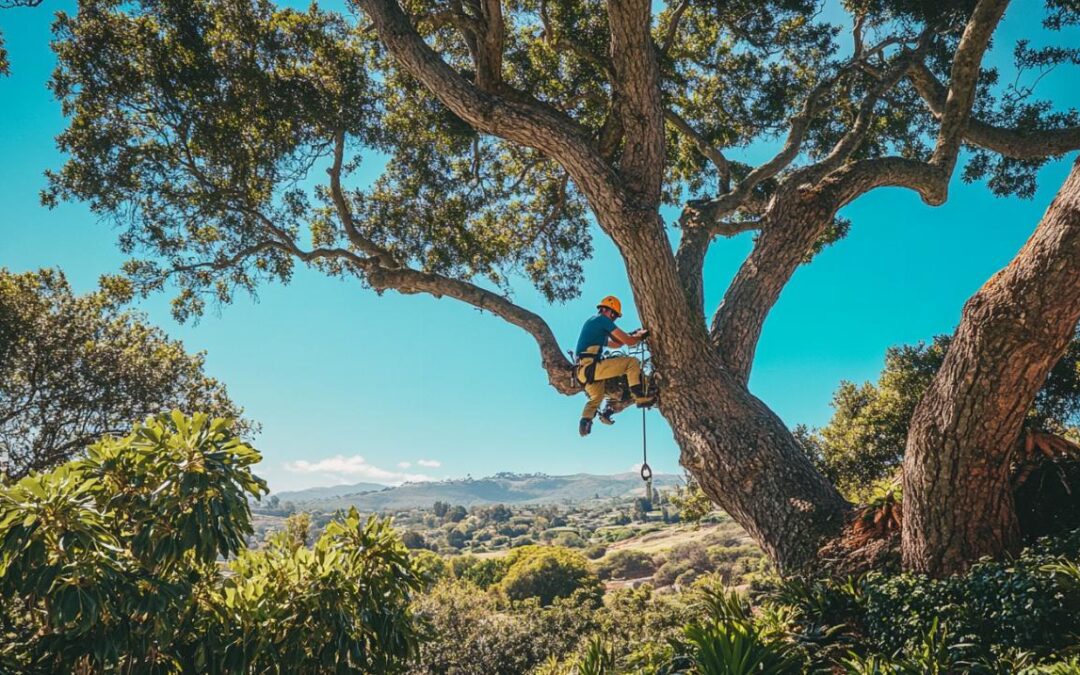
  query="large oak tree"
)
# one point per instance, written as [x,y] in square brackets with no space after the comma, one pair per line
[509,127]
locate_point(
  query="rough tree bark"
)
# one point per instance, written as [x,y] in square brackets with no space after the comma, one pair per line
[958,502]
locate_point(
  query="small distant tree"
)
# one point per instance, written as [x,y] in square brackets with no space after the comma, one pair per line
[413,540]
[456,538]
[297,532]
[76,367]
[440,508]
[499,513]
[626,564]
[642,507]
[456,514]
[692,502]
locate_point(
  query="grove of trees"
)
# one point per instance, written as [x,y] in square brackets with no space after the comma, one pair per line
[509,127]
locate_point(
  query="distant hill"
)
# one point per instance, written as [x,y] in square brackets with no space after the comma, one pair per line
[502,488]
[312,494]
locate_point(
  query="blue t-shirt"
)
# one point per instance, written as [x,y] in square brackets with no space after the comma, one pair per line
[595,332]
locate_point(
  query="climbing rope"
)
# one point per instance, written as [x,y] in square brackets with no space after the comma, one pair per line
[646,470]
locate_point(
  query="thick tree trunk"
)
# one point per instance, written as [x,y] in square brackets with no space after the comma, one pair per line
[740,452]
[958,503]
[747,461]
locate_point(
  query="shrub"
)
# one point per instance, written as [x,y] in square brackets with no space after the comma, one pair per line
[626,564]
[469,635]
[413,540]
[546,573]
[569,540]
[484,572]
[595,552]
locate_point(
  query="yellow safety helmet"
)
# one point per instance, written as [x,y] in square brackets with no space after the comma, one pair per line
[612,303]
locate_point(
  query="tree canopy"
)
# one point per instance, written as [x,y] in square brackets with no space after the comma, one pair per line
[73,368]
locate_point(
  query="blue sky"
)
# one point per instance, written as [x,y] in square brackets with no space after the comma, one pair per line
[353,387]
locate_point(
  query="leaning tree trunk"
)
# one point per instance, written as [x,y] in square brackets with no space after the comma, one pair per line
[747,461]
[743,456]
[958,503]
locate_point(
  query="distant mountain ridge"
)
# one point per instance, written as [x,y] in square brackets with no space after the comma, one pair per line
[501,488]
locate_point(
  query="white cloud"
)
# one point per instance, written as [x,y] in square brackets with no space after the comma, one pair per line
[404,465]
[429,463]
[342,469]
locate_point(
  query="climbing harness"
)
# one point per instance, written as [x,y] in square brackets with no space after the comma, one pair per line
[646,470]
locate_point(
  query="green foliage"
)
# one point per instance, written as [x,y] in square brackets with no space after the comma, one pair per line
[1020,612]
[73,368]
[430,567]
[691,501]
[726,642]
[484,572]
[193,126]
[468,633]
[546,573]
[106,552]
[863,443]
[625,564]
[342,605]
[110,564]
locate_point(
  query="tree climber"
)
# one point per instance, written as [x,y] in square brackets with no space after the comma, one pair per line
[592,368]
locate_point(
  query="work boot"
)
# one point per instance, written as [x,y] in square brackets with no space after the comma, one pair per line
[642,399]
[584,426]
[607,416]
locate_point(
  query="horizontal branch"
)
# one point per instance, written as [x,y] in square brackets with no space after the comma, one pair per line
[409,281]
[1014,143]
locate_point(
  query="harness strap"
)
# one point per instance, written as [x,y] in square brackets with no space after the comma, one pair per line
[586,361]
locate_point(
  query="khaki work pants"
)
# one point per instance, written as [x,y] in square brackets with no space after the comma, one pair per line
[616,366]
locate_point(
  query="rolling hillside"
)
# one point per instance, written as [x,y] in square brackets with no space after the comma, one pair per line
[504,488]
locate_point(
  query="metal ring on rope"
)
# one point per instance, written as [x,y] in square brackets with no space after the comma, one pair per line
[646,472]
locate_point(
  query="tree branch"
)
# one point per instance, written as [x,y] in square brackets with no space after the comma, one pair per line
[490,47]
[964,76]
[636,87]
[851,140]
[707,150]
[800,213]
[411,281]
[700,214]
[341,204]
[1013,143]
[673,27]
[527,122]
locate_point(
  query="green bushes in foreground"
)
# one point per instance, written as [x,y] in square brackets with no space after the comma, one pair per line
[110,564]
